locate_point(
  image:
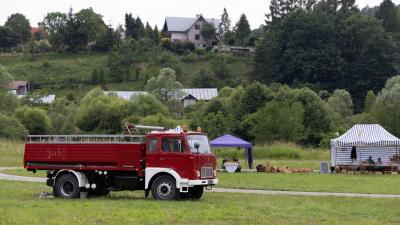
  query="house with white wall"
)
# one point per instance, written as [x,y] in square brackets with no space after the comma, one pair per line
[188,29]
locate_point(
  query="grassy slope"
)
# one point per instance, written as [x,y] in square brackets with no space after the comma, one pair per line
[213,208]
[54,71]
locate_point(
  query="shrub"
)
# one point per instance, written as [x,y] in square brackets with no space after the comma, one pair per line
[101,113]
[11,128]
[182,47]
[165,43]
[159,120]
[169,60]
[278,121]
[190,58]
[200,51]
[34,119]
[145,105]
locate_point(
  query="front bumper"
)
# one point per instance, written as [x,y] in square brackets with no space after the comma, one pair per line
[205,182]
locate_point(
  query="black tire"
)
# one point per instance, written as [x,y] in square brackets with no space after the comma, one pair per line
[164,188]
[194,193]
[67,187]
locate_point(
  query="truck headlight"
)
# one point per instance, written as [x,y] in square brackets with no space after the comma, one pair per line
[215,173]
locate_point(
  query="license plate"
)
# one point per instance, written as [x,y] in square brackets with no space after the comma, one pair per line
[210,181]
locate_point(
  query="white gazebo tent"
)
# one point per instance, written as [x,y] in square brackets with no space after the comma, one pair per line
[369,140]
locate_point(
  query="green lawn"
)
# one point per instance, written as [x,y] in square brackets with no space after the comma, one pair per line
[24,172]
[19,204]
[11,153]
[379,184]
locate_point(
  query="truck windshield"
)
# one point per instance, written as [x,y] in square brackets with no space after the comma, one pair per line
[202,140]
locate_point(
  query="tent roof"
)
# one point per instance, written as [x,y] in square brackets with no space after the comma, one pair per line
[366,135]
[228,140]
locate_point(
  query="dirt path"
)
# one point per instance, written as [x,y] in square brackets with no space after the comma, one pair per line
[18,178]
[228,190]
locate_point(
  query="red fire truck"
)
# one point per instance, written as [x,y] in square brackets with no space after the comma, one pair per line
[170,164]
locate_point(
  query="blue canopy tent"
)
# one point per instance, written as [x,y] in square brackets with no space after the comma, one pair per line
[228,140]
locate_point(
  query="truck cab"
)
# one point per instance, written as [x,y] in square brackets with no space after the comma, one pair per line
[184,156]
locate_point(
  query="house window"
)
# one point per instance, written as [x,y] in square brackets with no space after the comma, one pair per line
[197,37]
[197,26]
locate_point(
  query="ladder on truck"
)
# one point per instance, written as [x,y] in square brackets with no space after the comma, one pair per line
[98,138]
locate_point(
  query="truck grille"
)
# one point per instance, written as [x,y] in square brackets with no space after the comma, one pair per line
[206,172]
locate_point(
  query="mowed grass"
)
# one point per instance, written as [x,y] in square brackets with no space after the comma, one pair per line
[377,184]
[282,151]
[25,173]
[11,153]
[19,204]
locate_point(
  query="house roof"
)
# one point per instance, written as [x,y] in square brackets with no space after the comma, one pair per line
[126,94]
[200,93]
[183,24]
[366,135]
[18,83]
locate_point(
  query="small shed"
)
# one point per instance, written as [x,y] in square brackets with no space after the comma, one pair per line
[192,95]
[363,140]
[228,140]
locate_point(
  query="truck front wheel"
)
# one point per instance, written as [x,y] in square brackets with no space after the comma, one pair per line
[67,187]
[164,188]
[196,192]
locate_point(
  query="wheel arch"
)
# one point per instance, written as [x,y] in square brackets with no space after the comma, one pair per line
[81,177]
[153,173]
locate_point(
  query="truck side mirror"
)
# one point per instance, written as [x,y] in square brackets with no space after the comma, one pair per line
[197,145]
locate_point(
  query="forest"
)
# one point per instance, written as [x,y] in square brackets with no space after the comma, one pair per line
[318,68]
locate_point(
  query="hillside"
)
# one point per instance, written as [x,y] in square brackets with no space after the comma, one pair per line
[72,73]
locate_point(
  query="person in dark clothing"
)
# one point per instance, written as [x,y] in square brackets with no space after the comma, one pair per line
[371,162]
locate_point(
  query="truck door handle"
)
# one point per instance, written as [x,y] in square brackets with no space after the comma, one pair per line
[191,157]
[161,158]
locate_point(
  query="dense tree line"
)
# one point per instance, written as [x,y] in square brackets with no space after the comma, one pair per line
[73,32]
[329,45]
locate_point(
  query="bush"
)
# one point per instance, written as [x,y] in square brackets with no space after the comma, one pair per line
[159,120]
[169,60]
[11,128]
[182,47]
[144,105]
[8,103]
[190,58]
[101,113]
[165,43]
[62,113]
[34,119]
[278,121]
[200,51]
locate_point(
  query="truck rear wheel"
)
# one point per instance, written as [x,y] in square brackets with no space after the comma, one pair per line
[67,187]
[164,188]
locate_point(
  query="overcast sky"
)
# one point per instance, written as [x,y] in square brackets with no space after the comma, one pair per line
[154,11]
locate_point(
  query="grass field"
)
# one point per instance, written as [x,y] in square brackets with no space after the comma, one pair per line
[11,153]
[377,184]
[19,204]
